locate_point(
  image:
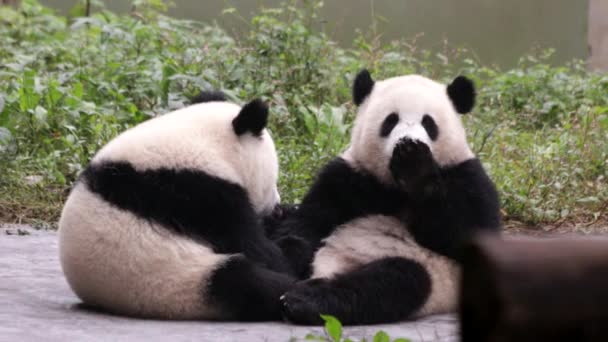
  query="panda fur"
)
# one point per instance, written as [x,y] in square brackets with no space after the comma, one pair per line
[379,230]
[165,221]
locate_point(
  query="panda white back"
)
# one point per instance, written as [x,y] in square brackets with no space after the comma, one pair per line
[382,223]
[164,221]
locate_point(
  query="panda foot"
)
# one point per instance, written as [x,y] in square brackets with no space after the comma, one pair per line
[304,304]
[412,163]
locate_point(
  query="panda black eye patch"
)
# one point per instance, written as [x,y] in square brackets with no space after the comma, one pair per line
[389,123]
[430,126]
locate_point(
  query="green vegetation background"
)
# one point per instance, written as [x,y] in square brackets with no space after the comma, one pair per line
[70,84]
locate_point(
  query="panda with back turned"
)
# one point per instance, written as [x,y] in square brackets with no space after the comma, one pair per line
[165,220]
[378,232]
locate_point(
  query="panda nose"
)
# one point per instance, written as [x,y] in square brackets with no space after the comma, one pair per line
[414,131]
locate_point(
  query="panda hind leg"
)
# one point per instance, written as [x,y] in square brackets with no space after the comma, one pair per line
[246,291]
[386,290]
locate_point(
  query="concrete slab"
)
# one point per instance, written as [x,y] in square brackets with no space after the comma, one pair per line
[36,304]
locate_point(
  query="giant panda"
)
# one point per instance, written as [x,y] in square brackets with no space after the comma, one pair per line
[165,222]
[379,230]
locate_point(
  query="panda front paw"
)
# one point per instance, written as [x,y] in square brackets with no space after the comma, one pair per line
[412,164]
[305,303]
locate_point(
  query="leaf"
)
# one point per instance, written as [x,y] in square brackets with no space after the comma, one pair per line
[1,102]
[80,22]
[312,337]
[7,144]
[77,90]
[88,107]
[27,97]
[59,177]
[229,10]
[310,121]
[53,93]
[28,80]
[590,199]
[601,110]
[381,336]
[402,340]
[333,327]
[5,135]
[40,113]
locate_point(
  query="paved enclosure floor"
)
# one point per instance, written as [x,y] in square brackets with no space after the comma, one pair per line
[36,304]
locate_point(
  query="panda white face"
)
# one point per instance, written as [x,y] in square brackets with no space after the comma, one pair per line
[408,107]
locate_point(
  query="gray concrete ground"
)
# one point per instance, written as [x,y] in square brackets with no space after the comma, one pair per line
[36,304]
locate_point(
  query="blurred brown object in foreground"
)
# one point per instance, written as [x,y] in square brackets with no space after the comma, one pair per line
[535,289]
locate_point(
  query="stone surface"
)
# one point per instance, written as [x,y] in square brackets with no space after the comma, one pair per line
[36,304]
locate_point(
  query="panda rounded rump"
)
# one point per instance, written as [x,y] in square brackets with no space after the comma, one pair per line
[128,265]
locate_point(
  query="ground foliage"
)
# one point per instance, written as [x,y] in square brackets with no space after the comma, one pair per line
[334,332]
[69,84]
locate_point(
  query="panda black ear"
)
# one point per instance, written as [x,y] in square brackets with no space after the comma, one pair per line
[462,94]
[253,117]
[362,86]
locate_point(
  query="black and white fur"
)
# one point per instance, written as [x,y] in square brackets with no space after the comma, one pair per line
[165,221]
[379,231]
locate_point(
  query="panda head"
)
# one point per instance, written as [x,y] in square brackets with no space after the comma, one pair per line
[219,138]
[408,107]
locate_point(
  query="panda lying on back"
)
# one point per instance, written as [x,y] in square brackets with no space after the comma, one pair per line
[164,222]
[382,223]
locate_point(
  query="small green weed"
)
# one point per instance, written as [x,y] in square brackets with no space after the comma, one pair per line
[334,333]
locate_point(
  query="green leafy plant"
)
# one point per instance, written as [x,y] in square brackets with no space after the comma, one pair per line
[69,85]
[334,333]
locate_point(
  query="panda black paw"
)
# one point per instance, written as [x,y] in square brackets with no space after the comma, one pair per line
[305,303]
[299,252]
[273,221]
[412,163]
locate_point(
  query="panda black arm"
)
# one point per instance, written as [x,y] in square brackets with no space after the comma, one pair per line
[453,205]
[339,194]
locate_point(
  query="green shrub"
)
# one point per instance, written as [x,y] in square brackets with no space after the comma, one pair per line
[68,85]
